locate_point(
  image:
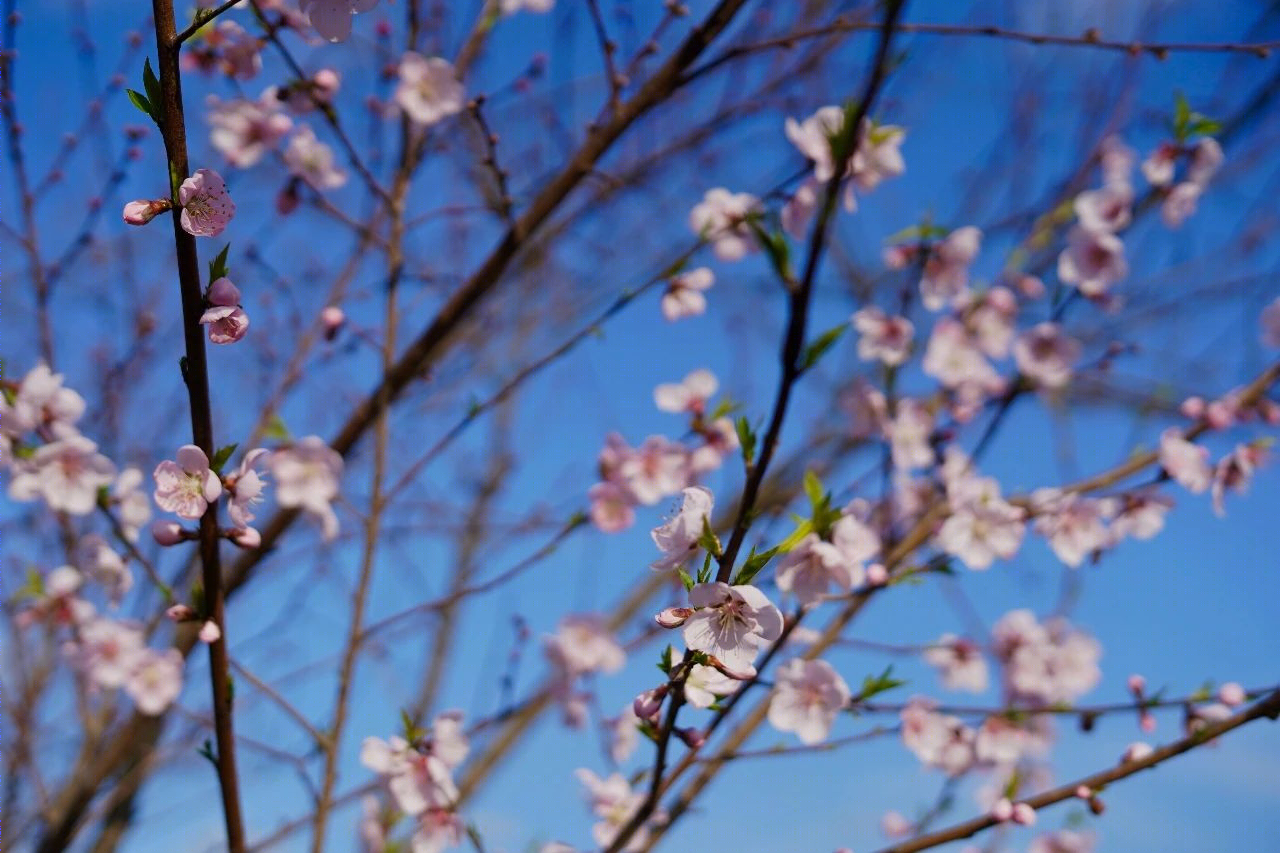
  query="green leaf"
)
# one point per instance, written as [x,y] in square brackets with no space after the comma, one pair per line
[206,749]
[753,565]
[804,527]
[685,579]
[218,266]
[775,245]
[276,429]
[704,573]
[871,685]
[746,438]
[818,348]
[725,407]
[151,83]
[1181,116]
[813,489]
[140,101]
[220,458]
[708,540]
[665,661]
[1203,126]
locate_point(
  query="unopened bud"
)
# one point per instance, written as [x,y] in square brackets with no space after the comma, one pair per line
[877,574]
[1084,792]
[142,211]
[648,704]
[673,617]
[1137,684]
[246,537]
[1231,694]
[1193,408]
[1023,814]
[1146,722]
[1002,810]
[1096,806]
[1136,752]
[1031,287]
[210,632]
[167,533]
[332,320]
[692,737]
[287,201]
[181,613]
[325,84]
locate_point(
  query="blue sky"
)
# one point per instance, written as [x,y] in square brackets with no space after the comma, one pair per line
[1198,603]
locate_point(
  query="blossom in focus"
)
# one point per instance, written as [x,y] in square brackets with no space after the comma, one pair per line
[733,623]
[1093,261]
[332,18]
[706,684]
[206,205]
[721,218]
[186,487]
[307,476]
[226,320]
[678,538]
[429,90]
[808,694]
[683,297]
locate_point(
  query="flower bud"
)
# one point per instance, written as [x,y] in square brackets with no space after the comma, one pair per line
[648,704]
[1193,408]
[692,737]
[332,319]
[1084,792]
[1002,810]
[181,613]
[1096,806]
[673,617]
[1023,814]
[167,533]
[142,211]
[877,575]
[1146,722]
[1231,694]
[246,537]
[210,632]
[1136,752]
[1030,287]
[325,84]
[1137,684]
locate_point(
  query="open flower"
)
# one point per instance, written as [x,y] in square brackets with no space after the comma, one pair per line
[807,696]
[311,160]
[246,487]
[225,318]
[66,474]
[684,294]
[429,90]
[206,205]
[1093,261]
[721,218]
[307,475]
[678,538]
[733,623]
[689,395]
[188,486]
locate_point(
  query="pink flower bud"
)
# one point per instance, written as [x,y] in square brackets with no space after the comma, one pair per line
[1030,287]
[1084,792]
[246,537]
[1147,722]
[1023,814]
[1193,408]
[325,83]
[673,617]
[692,737]
[877,575]
[181,613]
[332,319]
[1002,810]
[648,704]
[1137,684]
[142,211]
[223,292]
[897,257]
[287,200]
[1231,694]
[1220,414]
[1136,752]
[167,533]
[210,632]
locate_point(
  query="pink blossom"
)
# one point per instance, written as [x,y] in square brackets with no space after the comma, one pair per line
[611,507]
[678,538]
[1270,321]
[706,684]
[98,560]
[307,476]
[311,160]
[1141,515]
[938,740]
[66,474]
[584,644]
[883,338]
[186,487]
[133,507]
[982,526]
[657,468]
[808,694]
[690,395]
[1045,355]
[1136,751]
[733,623]
[41,402]
[1046,663]
[206,205]
[1185,462]
[684,294]
[1106,209]
[155,680]
[1180,203]
[879,156]
[245,130]
[894,825]
[332,319]
[799,209]
[1116,160]
[721,438]
[809,569]
[946,272]
[1093,261]
[245,537]
[429,90]
[813,138]
[1158,167]
[613,801]
[1024,814]
[1206,159]
[332,18]
[417,780]
[372,831]
[167,533]
[246,487]
[990,320]
[867,409]
[909,434]
[210,633]
[624,735]
[1062,841]
[1233,472]
[225,318]
[1002,810]
[721,219]
[953,358]
[1001,742]
[510,7]
[1074,525]
[438,829]
[959,662]
[647,705]
[226,48]
[108,651]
